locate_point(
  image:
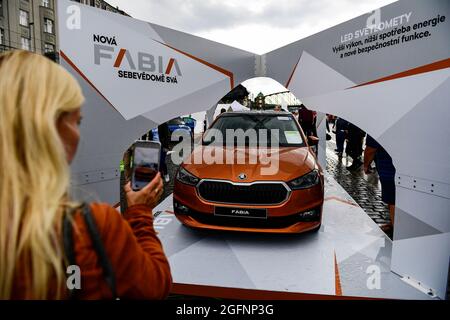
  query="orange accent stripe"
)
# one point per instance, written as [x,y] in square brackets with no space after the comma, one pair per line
[120,58]
[63,55]
[206,63]
[170,212]
[341,200]
[248,294]
[292,74]
[337,278]
[442,64]
[170,65]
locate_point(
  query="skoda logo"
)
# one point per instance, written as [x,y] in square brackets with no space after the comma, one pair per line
[242,176]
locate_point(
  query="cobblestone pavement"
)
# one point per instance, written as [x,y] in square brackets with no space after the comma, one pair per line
[364,189]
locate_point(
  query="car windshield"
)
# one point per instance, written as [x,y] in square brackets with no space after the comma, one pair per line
[289,134]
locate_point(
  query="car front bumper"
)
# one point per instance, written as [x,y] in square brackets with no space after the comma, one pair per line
[301,212]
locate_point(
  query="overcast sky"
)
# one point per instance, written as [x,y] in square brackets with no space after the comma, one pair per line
[258,26]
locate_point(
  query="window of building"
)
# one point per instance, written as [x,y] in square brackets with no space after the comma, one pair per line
[23,18]
[25,44]
[48,48]
[1,8]
[48,25]
[45,3]
[2,34]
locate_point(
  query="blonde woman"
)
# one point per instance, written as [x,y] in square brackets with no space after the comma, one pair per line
[39,117]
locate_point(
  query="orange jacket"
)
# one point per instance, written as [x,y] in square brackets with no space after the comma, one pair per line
[135,252]
[141,269]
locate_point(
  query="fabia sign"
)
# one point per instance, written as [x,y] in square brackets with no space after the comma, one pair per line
[135,65]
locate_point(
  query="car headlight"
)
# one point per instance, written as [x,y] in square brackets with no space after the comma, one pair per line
[309,180]
[186,177]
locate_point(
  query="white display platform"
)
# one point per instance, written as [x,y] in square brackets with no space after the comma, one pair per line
[349,257]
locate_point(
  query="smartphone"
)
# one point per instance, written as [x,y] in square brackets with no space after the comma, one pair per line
[145,163]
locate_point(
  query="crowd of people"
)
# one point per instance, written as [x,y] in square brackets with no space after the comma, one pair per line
[350,140]
[352,137]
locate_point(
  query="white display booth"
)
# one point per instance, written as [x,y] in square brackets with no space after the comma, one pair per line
[387,72]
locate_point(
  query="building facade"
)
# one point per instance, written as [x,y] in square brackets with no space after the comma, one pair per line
[32,24]
[28,25]
[260,102]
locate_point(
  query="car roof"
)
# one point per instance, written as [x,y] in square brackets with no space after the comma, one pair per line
[256,112]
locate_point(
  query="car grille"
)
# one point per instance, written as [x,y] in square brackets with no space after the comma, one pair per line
[251,194]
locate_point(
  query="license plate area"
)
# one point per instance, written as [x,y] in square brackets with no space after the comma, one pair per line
[240,212]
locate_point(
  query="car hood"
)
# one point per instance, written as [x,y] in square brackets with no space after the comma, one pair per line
[292,163]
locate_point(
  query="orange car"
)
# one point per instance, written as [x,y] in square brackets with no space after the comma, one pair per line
[238,195]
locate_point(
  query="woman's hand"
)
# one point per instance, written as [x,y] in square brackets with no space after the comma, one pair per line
[149,195]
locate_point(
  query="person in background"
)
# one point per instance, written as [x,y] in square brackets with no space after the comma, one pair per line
[40,115]
[223,110]
[277,108]
[355,139]
[386,173]
[307,120]
[332,119]
[341,126]
[145,137]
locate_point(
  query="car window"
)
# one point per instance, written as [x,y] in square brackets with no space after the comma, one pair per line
[288,130]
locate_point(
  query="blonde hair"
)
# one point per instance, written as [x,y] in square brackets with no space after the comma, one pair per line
[34,173]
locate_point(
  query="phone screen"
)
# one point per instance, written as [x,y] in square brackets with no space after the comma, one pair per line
[145,164]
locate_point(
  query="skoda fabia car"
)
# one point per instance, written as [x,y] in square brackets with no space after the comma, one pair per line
[237,194]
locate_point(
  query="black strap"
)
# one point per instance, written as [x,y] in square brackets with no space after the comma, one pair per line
[97,243]
[68,240]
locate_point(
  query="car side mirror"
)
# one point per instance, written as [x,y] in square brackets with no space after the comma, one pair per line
[313,141]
